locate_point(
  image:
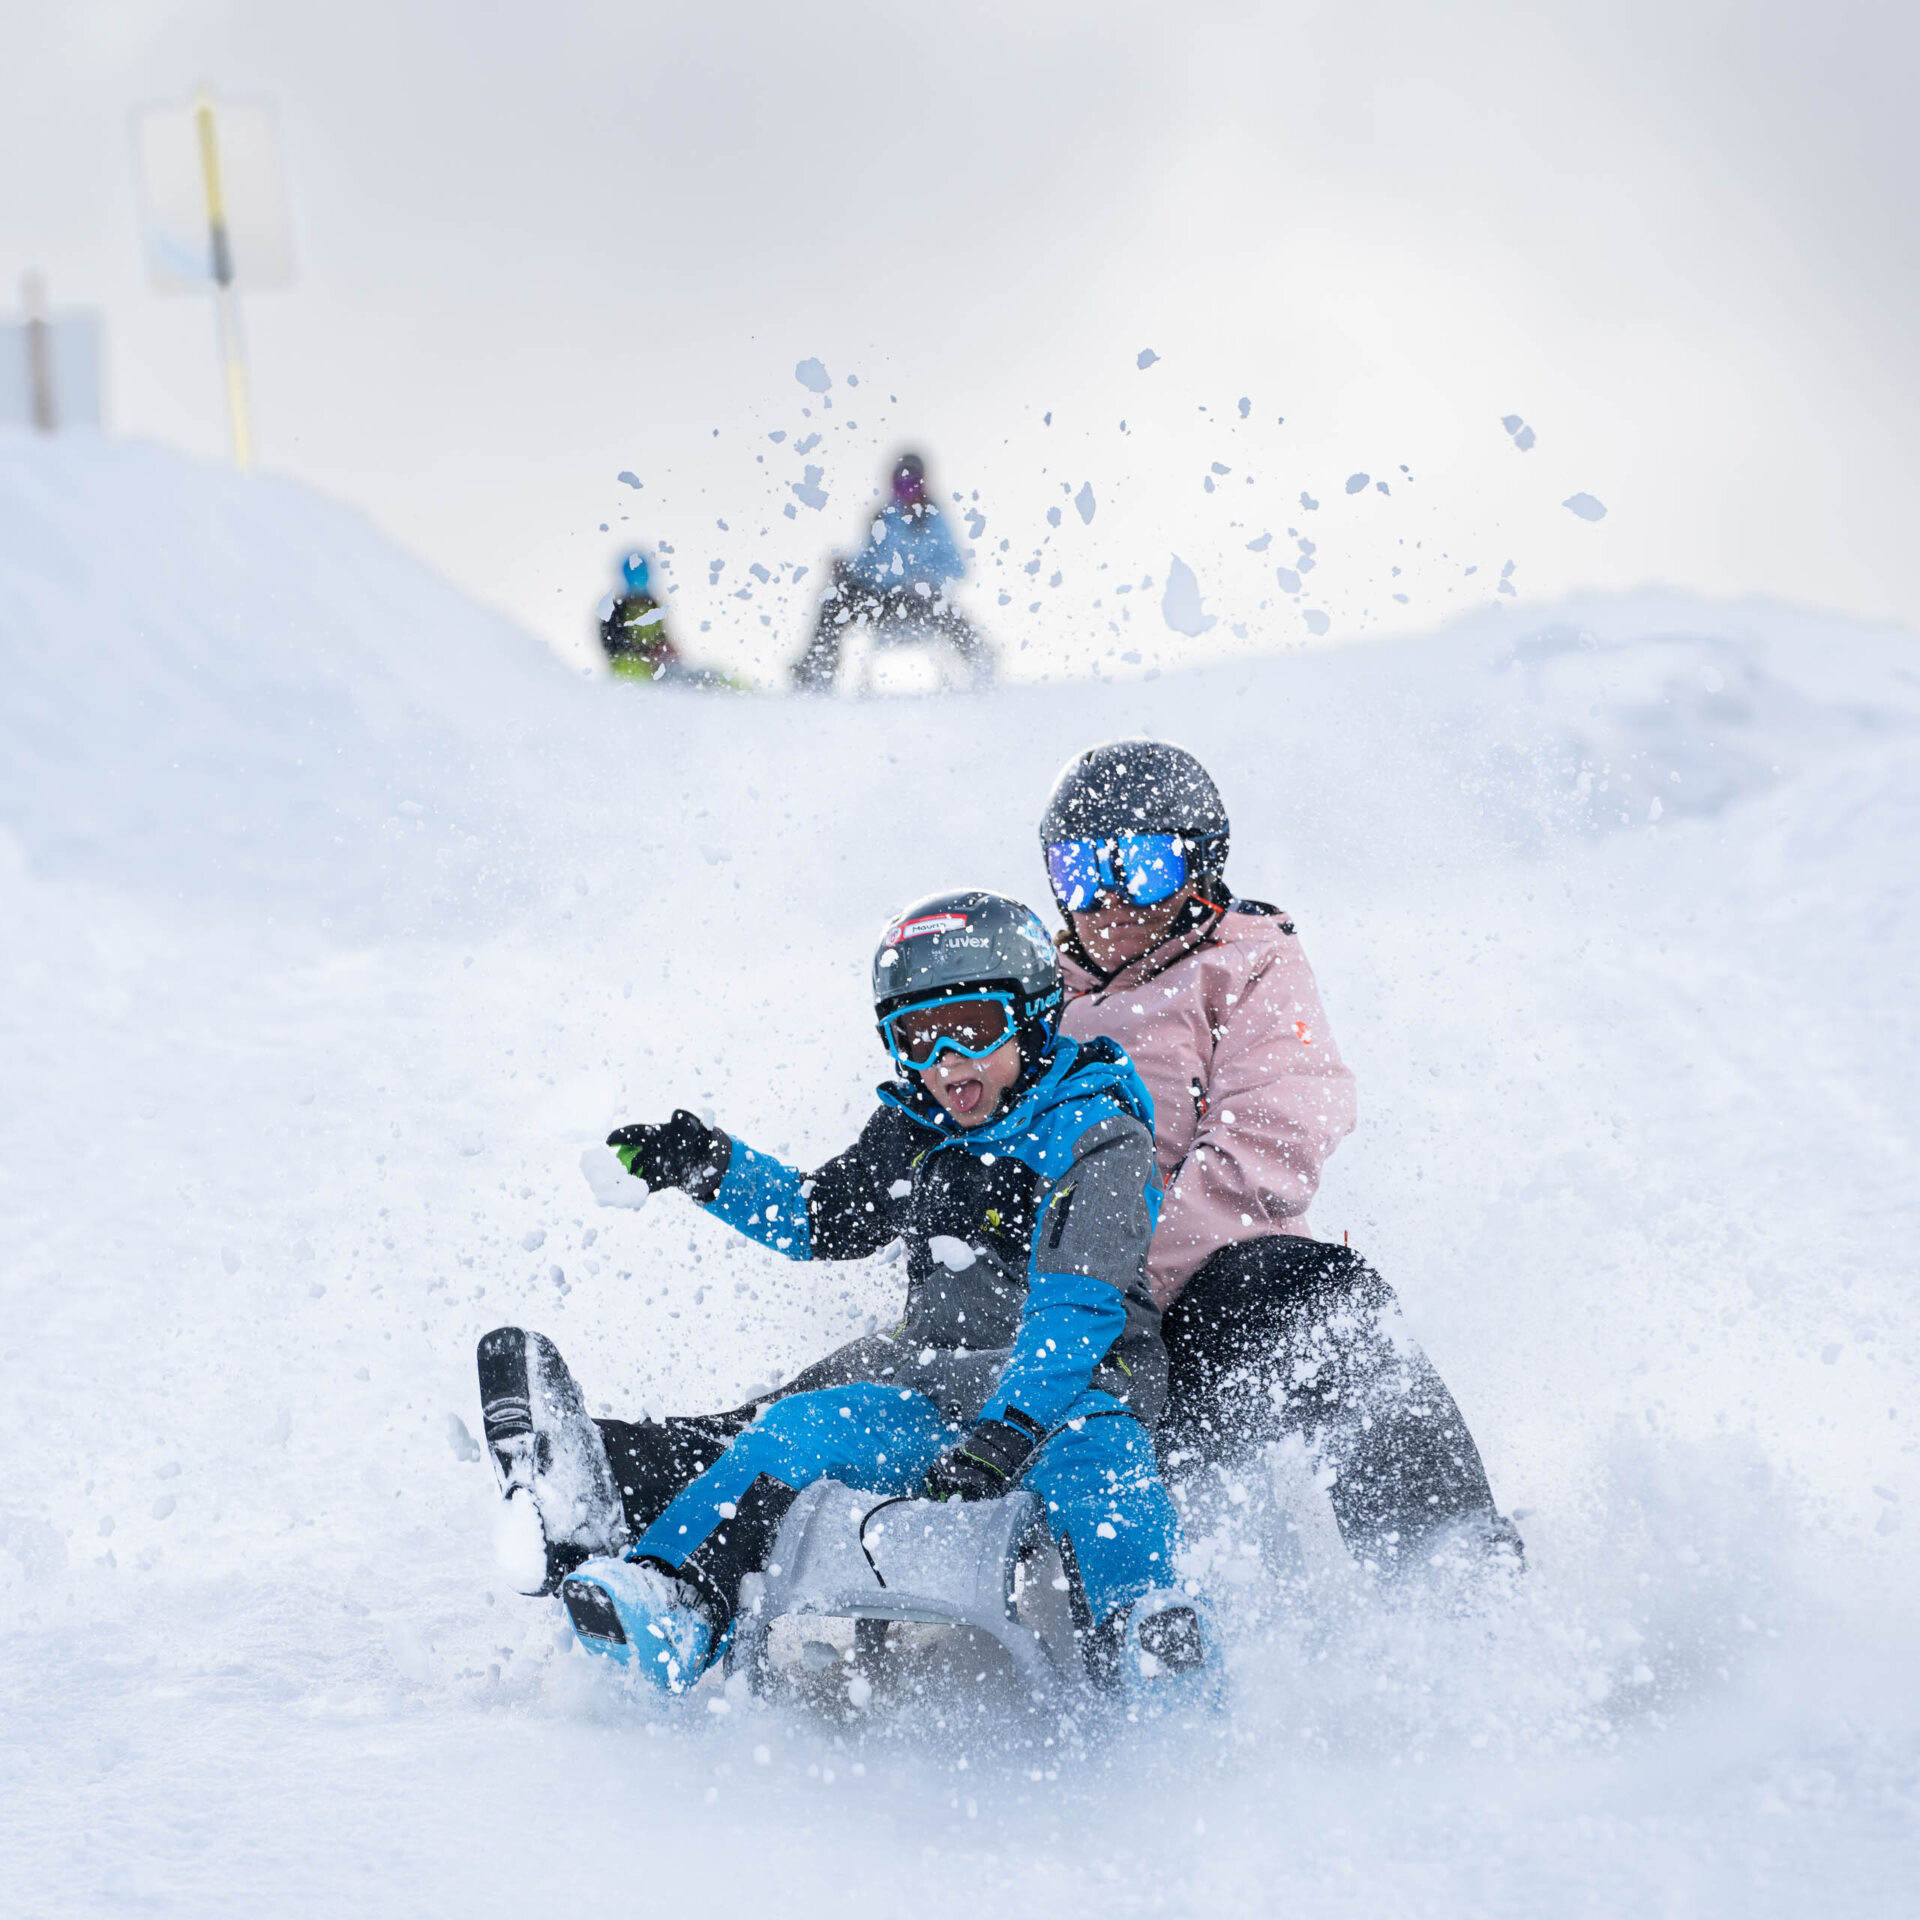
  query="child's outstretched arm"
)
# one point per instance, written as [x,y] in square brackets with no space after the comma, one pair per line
[845,1211]
[1086,1291]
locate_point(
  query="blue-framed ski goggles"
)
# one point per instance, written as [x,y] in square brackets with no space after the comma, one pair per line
[1144,868]
[972,1025]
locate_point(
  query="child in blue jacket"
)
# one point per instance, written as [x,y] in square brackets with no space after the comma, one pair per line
[1017,1168]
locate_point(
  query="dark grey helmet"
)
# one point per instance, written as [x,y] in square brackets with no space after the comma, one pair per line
[1139,786]
[970,942]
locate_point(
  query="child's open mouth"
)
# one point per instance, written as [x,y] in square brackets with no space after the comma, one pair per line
[963,1096]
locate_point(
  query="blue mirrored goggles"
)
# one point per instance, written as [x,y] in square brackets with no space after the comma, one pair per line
[1144,868]
[972,1025]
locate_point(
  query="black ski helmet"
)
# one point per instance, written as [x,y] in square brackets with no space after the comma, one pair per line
[971,942]
[1141,786]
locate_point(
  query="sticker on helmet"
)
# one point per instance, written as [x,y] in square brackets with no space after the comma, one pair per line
[927,923]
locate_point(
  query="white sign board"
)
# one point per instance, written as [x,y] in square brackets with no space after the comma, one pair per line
[71,344]
[173,195]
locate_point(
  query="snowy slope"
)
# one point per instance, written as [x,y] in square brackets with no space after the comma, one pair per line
[223,685]
[334,920]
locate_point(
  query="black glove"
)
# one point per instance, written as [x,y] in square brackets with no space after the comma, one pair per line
[684,1153]
[986,1463]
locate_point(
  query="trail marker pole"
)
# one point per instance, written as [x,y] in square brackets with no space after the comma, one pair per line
[215,220]
[226,302]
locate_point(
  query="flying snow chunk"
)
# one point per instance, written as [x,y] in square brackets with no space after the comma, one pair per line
[1289,580]
[612,1184]
[1180,604]
[1083,502]
[809,491]
[1260,545]
[1317,622]
[627,479]
[1246,406]
[813,376]
[1357,482]
[955,1255]
[1585,506]
[464,1445]
[1146,358]
[1521,433]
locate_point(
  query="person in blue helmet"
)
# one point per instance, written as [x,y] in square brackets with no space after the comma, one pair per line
[898,586]
[633,626]
[1017,1169]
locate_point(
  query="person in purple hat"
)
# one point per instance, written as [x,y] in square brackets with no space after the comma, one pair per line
[897,587]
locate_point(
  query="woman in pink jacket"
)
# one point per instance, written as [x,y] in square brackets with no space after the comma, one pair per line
[1268,1329]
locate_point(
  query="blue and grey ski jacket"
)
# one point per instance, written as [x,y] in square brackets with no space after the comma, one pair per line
[1026,1241]
[903,548]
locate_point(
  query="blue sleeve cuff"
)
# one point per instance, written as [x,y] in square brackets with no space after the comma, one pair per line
[1069,1323]
[760,1197]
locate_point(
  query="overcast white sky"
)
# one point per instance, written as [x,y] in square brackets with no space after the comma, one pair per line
[539,246]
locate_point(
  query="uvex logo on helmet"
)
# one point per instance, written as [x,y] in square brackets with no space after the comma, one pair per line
[927,923]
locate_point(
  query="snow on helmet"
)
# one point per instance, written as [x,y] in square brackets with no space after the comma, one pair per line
[952,944]
[634,569]
[1140,786]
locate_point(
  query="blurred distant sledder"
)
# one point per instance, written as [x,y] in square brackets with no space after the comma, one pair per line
[633,627]
[896,587]
[633,630]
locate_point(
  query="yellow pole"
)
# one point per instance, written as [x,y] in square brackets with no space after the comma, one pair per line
[226,301]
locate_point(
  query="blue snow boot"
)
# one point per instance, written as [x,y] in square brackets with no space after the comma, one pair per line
[1170,1657]
[638,1614]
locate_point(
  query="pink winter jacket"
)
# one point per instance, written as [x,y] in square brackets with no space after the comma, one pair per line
[1249,1092]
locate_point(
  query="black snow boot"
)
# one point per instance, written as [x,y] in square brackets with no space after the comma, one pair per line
[560,1504]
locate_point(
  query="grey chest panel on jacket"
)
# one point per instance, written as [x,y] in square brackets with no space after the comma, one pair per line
[1098,1221]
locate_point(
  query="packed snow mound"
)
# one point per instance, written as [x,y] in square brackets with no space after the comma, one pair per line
[224,682]
[1614,912]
